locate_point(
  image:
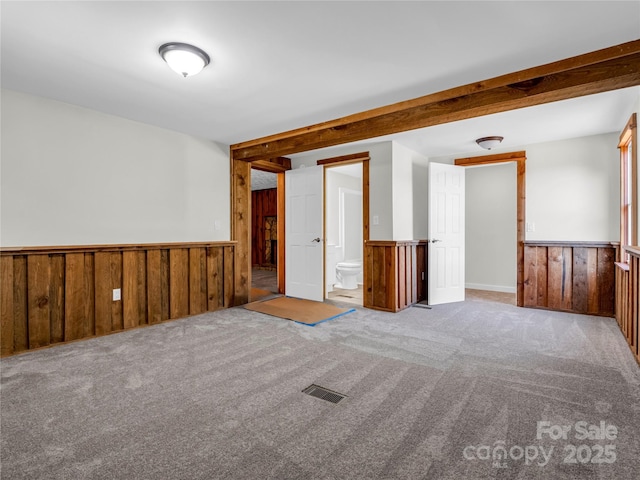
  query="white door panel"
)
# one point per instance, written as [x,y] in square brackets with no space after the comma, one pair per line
[446,233]
[304,233]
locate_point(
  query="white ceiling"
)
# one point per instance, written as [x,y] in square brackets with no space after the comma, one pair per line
[262,180]
[283,65]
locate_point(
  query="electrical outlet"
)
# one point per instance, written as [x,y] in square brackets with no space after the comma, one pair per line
[531,227]
[116,294]
[376,220]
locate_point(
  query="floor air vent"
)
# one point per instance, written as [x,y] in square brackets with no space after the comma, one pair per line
[324,393]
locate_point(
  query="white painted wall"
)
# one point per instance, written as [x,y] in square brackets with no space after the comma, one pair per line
[352,224]
[490,229]
[380,186]
[410,193]
[73,176]
[573,189]
[420,176]
[335,182]
[397,182]
[572,194]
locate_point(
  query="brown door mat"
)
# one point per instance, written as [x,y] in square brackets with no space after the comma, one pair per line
[258,294]
[302,311]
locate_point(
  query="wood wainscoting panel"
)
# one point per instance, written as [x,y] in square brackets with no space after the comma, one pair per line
[52,295]
[38,301]
[89,296]
[130,299]
[74,312]
[197,280]
[627,304]
[623,298]
[20,304]
[164,284]
[379,290]
[179,282]
[215,274]
[103,292]
[6,305]
[634,300]
[154,286]
[57,297]
[115,269]
[396,274]
[605,280]
[229,276]
[570,276]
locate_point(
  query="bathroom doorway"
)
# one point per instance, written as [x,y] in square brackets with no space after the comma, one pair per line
[344,233]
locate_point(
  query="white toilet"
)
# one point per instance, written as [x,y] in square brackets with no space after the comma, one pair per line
[347,274]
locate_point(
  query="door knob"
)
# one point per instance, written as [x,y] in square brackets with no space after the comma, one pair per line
[317,239]
[435,240]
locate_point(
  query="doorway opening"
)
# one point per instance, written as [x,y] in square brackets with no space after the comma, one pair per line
[344,240]
[267,229]
[264,233]
[519,158]
[491,253]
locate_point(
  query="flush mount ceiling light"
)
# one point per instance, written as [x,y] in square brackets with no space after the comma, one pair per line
[489,142]
[184,59]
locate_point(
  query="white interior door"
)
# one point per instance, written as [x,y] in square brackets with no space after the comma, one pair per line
[446,233]
[304,233]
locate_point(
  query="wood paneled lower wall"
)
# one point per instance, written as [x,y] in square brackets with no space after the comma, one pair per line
[570,276]
[628,299]
[395,275]
[59,294]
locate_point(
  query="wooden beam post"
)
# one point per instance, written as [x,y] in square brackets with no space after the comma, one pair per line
[241,229]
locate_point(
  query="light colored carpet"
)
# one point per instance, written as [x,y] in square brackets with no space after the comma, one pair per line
[218,396]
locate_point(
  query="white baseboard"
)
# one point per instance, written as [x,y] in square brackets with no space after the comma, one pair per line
[491,288]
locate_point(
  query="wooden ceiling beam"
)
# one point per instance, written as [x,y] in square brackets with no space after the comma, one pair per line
[596,72]
[272,165]
[491,159]
[344,159]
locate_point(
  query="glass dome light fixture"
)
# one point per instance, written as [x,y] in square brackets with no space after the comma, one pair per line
[184,59]
[489,142]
